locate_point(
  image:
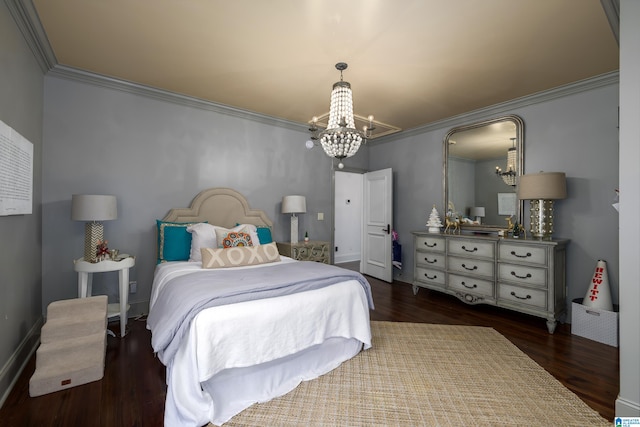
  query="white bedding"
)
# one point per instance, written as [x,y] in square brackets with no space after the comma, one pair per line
[239,354]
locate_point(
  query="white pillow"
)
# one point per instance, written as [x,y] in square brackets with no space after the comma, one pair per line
[203,235]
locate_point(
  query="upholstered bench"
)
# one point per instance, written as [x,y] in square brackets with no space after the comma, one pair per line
[72,345]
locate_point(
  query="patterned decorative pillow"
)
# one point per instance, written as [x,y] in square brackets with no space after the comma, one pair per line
[234,238]
[239,256]
[174,242]
[210,236]
[253,231]
[222,233]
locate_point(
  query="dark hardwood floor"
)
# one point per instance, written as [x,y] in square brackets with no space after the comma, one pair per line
[132,392]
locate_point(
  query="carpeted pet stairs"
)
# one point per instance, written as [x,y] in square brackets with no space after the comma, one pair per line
[72,345]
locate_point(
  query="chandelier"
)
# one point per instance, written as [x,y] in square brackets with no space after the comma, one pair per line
[340,139]
[509,175]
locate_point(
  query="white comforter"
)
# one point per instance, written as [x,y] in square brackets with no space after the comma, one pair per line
[239,354]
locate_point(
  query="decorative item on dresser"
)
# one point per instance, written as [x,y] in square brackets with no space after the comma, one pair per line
[312,250]
[542,189]
[521,275]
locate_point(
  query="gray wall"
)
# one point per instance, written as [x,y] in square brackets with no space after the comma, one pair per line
[21,83]
[154,155]
[576,134]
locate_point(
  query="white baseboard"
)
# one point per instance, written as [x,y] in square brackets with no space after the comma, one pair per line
[627,408]
[15,365]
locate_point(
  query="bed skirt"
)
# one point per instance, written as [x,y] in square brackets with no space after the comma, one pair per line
[201,391]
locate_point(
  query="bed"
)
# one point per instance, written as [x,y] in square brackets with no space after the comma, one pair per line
[244,325]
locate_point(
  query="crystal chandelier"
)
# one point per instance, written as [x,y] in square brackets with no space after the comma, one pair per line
[509,175]
[341,139]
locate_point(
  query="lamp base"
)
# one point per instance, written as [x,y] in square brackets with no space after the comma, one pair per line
[541,218]
[294,228]
[93,231]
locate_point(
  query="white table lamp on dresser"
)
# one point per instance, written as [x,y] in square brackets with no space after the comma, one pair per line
[93,209]
[477,212]
[294,205]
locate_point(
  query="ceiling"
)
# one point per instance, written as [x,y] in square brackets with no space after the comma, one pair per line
[411,62]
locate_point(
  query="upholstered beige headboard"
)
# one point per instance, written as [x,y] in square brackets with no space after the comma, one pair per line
[220,206]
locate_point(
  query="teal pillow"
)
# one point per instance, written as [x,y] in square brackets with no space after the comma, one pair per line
[264,235]
[174,241]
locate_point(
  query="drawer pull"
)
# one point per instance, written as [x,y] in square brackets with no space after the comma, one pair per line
[521,256]
[467,286]
[429,261]
[429,277]
[513,294]
[430,246]
[528,276]
[475,267]
[464,248]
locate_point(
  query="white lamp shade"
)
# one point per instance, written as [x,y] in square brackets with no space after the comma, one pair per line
[89,207]
[294,204]
[542,186]
[477,211]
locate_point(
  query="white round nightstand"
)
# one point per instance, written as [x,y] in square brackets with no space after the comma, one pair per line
[122,264]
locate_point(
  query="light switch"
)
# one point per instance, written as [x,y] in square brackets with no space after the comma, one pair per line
[320,216]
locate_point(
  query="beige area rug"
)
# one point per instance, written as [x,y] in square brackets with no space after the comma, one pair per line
[429,375]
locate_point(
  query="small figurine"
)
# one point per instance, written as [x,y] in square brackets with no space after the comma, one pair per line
[453,224]
[434,224]
[102,251]
[515,229]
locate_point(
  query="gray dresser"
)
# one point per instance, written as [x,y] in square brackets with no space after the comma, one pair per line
[525,275]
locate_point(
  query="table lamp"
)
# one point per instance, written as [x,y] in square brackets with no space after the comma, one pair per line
[294,205]
[478,213]
[542,189]
[93,209]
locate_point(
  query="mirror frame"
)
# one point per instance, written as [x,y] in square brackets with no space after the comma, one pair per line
[520,167]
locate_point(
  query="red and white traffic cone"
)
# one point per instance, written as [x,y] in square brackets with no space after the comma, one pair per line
[599,295]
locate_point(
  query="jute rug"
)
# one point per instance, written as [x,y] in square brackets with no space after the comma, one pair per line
[429,375]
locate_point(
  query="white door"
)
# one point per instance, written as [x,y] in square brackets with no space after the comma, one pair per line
[376,231]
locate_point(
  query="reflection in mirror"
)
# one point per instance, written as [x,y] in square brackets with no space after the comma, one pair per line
[481,164]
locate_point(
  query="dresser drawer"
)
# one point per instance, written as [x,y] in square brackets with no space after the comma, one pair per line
[532,276]
[522,253]
[430,259]
[471,285]
[471,247]
[471,266]
[429,275]
[532,297]
[430,243]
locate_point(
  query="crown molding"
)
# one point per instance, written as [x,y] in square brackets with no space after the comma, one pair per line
[76,74]
[28,22]
[508,106]
[612,10]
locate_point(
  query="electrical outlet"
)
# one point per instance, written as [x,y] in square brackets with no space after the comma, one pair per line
[133,287]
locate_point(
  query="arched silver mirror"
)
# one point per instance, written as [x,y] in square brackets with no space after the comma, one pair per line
[482,162]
